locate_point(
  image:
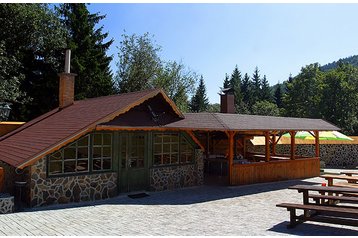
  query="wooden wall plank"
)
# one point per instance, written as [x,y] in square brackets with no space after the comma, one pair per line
[275,171]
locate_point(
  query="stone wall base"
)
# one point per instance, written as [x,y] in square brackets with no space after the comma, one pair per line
[72,188]
[7,204]
[174,177]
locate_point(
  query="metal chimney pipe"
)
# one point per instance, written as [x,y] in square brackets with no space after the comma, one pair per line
[68,61]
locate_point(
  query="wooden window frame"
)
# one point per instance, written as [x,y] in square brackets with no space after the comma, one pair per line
[179,143]
[102,146]
[90,158]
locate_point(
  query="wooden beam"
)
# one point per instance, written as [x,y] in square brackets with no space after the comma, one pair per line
[239,143]
[207,144]
[293,143]
[191,134]
[316,133]
[231,135]
[274,144]
[244,146]
[54,148]
[267,146]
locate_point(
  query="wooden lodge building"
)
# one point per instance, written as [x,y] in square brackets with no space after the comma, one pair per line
[96,148]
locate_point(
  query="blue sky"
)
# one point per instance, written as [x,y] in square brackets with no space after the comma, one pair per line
[212,38]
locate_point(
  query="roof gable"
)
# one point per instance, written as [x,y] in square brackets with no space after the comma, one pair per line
[155,111]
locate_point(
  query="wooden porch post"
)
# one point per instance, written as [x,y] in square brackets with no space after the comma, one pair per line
[316,134]
[267,146]
[231,135]
[293,144]
[274,144]
[207,151]
[244,145]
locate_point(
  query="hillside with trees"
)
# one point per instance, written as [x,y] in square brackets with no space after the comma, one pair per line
[353,60]
[314,93]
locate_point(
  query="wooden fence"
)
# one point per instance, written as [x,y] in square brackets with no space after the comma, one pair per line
[275,171]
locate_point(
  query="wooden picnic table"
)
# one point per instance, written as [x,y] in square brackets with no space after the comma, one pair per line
[331,177]
[321,211]
[305,189]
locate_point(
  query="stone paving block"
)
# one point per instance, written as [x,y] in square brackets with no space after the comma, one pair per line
[192,211]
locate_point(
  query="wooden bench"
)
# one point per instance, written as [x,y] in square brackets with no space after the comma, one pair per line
[327,214]
[320,199]
[350,173]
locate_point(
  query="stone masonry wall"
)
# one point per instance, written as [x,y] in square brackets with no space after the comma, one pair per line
[333,155]
[67,189]
[7,204]
[173,177]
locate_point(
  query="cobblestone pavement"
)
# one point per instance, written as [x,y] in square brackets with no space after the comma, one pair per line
[204,210]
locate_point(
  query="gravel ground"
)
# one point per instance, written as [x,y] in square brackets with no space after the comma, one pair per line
[205,210]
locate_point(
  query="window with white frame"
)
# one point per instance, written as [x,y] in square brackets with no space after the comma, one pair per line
[91,153]
[171,149]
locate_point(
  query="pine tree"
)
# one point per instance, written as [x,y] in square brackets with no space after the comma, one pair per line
[226,83]
[89,59]
[245,88]
[266,94]
[278,95]
[200,102]
[32,40]
[235,84]
[256,89]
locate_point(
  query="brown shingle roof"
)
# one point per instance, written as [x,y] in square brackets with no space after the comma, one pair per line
[255,122]
[38,136]
[236,122]
[240,122]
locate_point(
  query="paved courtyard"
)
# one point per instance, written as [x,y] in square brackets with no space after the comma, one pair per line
[204,210]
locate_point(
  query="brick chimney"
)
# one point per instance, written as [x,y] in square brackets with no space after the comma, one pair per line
[67,84]
[227,100]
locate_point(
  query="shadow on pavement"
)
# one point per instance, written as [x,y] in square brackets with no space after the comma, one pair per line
[313,229]
[183,196]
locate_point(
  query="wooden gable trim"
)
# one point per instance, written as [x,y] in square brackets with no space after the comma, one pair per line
[172,104]
[138,102]
[92,126]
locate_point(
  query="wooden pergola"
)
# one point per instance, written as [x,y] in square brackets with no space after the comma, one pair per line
[271,138]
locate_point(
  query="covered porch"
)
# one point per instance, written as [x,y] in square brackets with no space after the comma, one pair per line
[229,158]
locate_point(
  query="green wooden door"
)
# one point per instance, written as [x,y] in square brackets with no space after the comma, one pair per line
[133,162]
